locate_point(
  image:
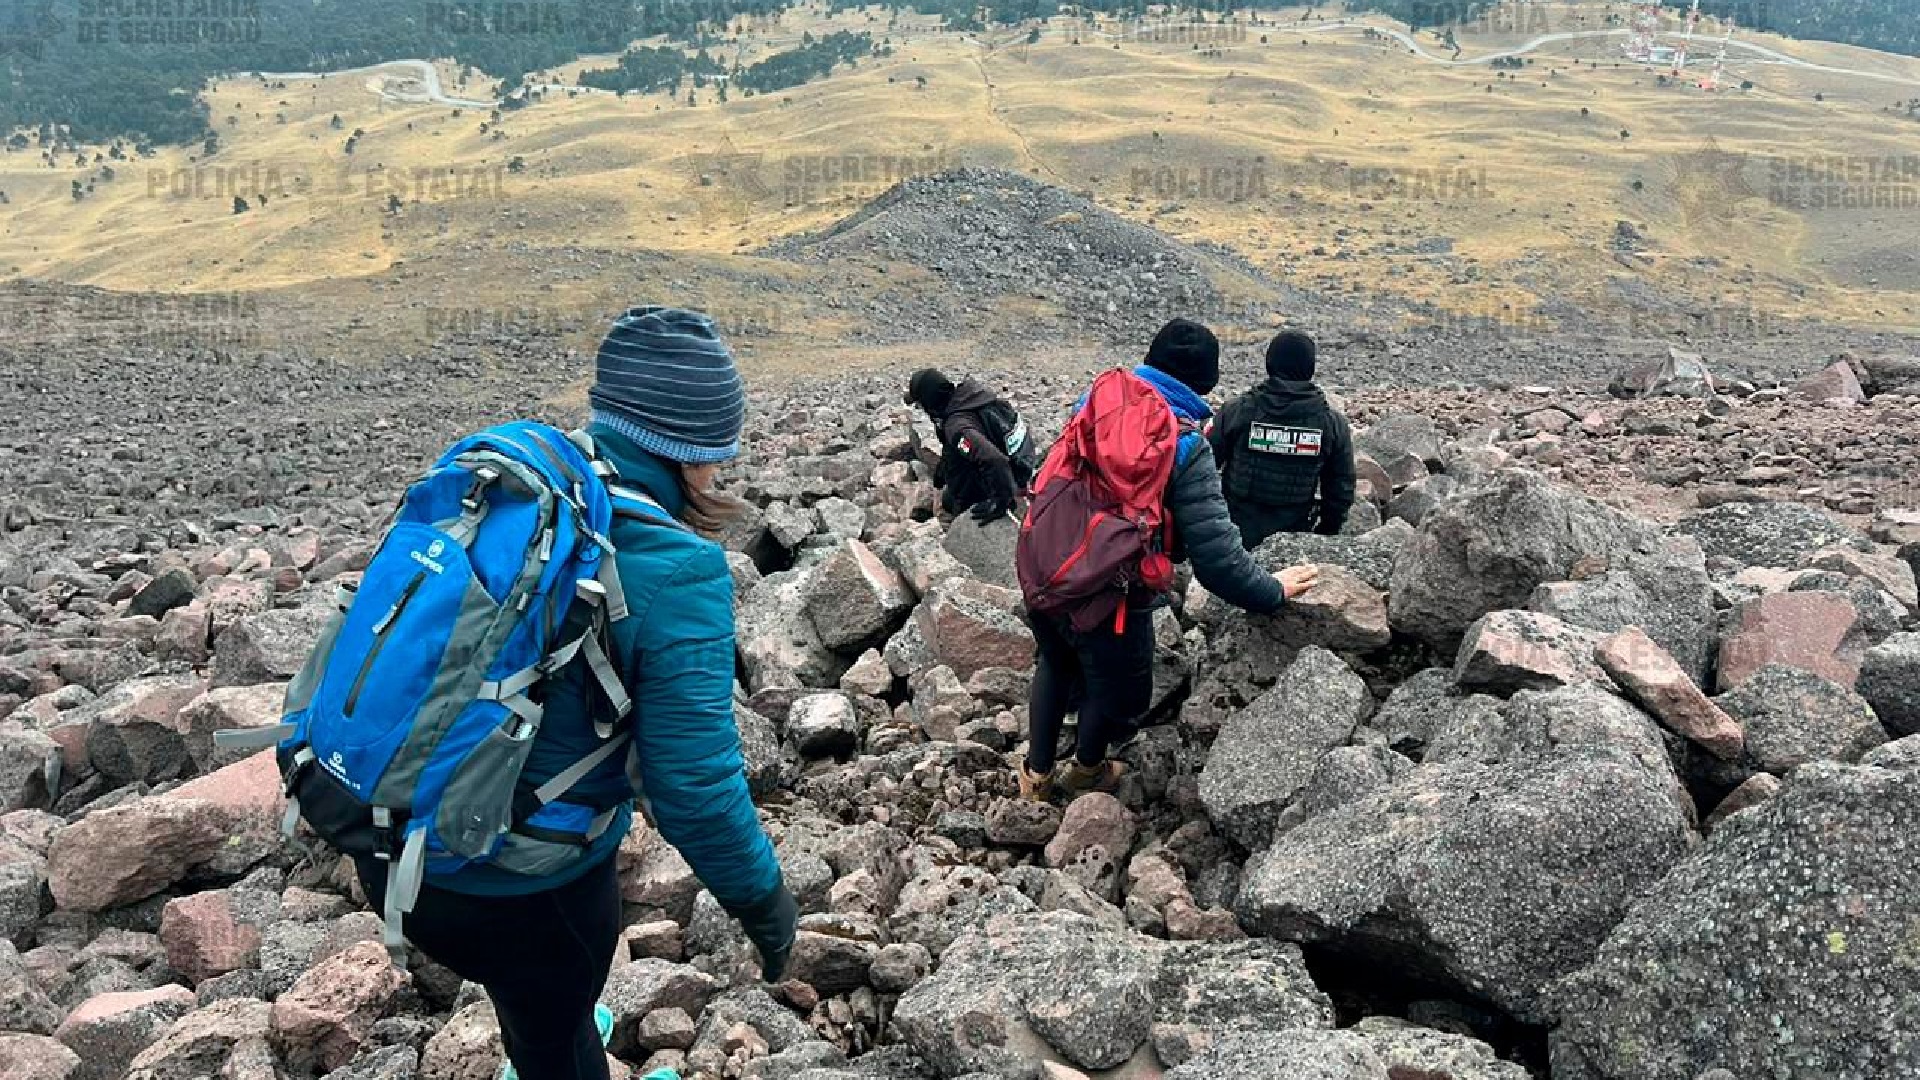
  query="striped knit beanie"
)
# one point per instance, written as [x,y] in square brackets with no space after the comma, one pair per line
[665,380]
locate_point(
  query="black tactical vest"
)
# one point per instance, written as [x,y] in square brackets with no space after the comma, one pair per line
[1279,457]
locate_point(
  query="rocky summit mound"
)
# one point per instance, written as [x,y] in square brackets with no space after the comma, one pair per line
[988,233]
[1530,785]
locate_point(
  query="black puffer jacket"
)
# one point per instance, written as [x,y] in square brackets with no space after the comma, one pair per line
[1278,446]
[1206,536]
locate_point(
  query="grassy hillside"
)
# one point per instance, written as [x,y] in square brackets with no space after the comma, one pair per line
[1328,159]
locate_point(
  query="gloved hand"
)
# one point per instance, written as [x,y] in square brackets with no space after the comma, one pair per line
[991,510]
[771,925]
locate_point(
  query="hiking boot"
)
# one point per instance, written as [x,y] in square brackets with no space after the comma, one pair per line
[1035,787]
[602,1022]
[1105,778]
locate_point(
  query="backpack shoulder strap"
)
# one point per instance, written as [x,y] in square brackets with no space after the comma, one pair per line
[632,504]
[1192,435]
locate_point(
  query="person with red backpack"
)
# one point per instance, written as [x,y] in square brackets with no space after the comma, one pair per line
[1130,488]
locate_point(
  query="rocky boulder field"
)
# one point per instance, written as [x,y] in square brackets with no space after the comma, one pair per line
[1595,755]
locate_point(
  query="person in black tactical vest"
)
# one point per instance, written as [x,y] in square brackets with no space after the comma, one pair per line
[987,457]
[1279,443]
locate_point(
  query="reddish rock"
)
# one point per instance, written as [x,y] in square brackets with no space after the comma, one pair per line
[1805,630]
[108,1031]
[185,634]
[247,800]
[969,625]
[202,937]
[1526,650]
[323,1021]
[1650,675]
[653,874]
[1889,572]
[230,600]
[1342,612]
[223,708]
[132,731]
[126,853]
[1091,821]
[198,1045]
[1188,922]
[37,1057]
[1369,472]
[1757,789]
[1836,382]
[658,940]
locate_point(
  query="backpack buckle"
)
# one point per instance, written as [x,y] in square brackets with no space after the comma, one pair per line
[383,834]
[482,477]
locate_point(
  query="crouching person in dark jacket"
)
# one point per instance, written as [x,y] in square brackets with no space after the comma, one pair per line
[1279,444]
[987,458]
[667,410]
[1108,672]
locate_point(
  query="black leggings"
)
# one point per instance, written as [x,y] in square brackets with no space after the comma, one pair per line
[1110,676]
[543,958]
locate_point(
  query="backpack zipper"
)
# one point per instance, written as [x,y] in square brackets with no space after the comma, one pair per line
[1086,542]
[380,630]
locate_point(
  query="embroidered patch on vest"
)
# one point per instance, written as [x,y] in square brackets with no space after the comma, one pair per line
[1289,441]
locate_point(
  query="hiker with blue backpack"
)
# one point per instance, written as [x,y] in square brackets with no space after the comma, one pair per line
[1129,489]
[546,630]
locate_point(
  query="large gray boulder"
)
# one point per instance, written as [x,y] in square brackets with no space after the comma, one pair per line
[1268,751]
[1370,555]
[987,550]
[778,644]
[1060,987]
[1490,548]
[1379,1048]
[1783,535]
[1425,704]
[1665,593]
[1536,725]
[273,645]
[1890,681]
[1498,879]
[1792,717]
[1782,948]
[854,600]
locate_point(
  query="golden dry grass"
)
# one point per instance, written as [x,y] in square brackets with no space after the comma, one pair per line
[1276,150]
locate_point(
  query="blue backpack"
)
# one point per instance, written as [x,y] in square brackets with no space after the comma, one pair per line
[403,737]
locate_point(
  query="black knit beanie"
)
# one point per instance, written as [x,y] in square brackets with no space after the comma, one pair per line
[930,390]
[1290,356]
[1189,352]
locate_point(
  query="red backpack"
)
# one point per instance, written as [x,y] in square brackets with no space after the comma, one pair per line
[1096,527]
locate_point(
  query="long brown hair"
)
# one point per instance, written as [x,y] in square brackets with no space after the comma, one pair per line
[710,512]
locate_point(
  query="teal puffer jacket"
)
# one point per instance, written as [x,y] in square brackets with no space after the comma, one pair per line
[675,651]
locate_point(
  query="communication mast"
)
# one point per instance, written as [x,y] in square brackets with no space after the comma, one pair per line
[1686,40]
[1714,77]
[1645,28]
